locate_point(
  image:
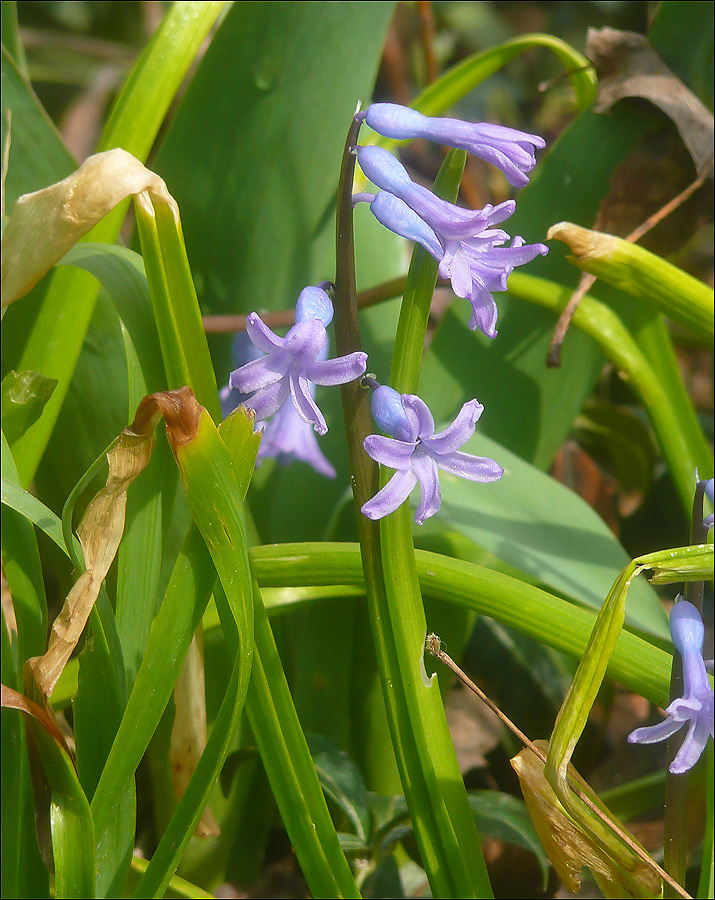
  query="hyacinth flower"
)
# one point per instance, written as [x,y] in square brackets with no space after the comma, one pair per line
[286,436]
[292,363]
[417,453]
[465,243]
[695,707]
[510,150]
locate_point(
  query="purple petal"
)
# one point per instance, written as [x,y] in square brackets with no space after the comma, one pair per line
[692,747]
[390,415]
[393,495]
[484,316]
[507,148]
[314,303]
[459,432]
[304,341]
[474,468]
[397,216]
[430,497]
[288,437]
[425,423]
[305,406]
[339,370]
[261,335]
[652,734]
[688,632]
[269,400]
[383,169]
[388,451]
[260,373]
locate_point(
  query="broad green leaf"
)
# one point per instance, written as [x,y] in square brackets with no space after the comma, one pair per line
[38,156]
[540,526]
[11,37]
[682,36]
[617,437]
[291,75]
[23,873]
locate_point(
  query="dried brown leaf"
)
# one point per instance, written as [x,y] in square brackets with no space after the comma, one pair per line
[628,66]
[99,533]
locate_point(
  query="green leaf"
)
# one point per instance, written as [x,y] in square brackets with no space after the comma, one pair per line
[52,340]
[342,782]
[38,156]
[243,219]
[637,664]
[642,274]
[215,496]
[533,522]
[23,398]
[682,35]
[23,872]
[505,817]
[455,84]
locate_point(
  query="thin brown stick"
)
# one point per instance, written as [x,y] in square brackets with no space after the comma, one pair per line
[424,8]
[433,645]
[553,357]
[285,317]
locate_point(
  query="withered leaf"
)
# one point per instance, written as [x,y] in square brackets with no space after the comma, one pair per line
[628,66]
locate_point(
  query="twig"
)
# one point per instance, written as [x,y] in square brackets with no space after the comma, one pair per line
[424,8]
[285,317]
[553,357]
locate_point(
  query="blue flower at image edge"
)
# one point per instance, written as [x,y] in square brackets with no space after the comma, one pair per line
[695,707]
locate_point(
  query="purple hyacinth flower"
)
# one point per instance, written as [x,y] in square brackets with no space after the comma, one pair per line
[510,150]
[695,707]
[242,352]
[288,437]
[417,453]
[466,244]
[292,363]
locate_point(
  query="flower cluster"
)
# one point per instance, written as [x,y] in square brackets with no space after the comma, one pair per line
[470,250]
[695,707]
[277,376]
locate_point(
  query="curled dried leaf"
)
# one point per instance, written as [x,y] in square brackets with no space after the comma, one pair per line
[45,224]
[99,533]
[569,845]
